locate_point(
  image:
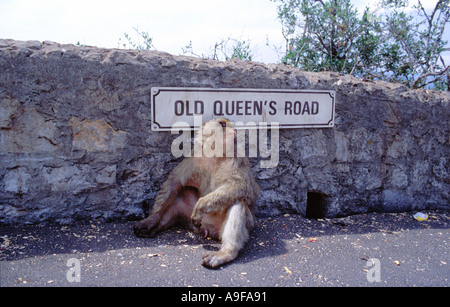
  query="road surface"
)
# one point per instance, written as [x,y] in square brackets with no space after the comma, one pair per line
[283,251]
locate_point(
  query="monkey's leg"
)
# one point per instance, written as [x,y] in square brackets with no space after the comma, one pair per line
[236,231]
[158,221]
[180,210]
[152,224]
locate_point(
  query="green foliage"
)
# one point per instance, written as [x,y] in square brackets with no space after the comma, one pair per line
[242,51]
[142,42]
[225,50]
[402,45]
[322,36]
[420,41]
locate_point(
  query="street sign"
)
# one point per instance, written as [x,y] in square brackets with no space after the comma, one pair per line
[176,107]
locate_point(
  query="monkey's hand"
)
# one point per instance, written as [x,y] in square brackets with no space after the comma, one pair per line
[199,210]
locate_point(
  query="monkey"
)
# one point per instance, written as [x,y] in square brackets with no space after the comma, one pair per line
[214,195]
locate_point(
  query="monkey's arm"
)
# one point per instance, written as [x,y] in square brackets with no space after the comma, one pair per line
[219,200]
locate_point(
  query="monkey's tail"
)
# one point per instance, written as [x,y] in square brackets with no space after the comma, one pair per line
[237,226]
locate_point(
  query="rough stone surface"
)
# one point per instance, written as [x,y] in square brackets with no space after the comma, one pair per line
[76,143]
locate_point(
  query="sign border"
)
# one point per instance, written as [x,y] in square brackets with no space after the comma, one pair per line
[155,91]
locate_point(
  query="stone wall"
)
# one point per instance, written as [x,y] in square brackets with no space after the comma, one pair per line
[76,143]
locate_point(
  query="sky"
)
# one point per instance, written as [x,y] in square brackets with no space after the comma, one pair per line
[171,23]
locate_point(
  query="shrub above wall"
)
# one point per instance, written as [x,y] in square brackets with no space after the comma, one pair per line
[76,139]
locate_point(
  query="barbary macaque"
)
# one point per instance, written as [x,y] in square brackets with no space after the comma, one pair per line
[213,194]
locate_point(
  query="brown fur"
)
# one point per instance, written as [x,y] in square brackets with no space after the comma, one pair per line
[215,196]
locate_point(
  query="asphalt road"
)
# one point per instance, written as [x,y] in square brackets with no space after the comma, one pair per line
[283,251]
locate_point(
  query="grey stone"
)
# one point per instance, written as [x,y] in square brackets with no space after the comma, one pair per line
[28,131]
[76,139]
[17,181]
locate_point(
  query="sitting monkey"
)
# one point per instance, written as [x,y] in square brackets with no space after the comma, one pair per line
[213,195]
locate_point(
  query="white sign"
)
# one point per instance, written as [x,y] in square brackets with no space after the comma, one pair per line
[289,108]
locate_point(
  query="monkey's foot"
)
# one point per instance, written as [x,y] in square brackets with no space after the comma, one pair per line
[146,228]
[215,259]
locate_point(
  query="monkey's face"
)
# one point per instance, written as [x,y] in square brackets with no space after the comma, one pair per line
[217,132]
[219,127]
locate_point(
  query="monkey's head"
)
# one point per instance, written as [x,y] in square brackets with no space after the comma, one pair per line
[216,132]
[217,125]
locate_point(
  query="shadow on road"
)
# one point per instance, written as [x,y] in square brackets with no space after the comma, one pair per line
[268,238]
